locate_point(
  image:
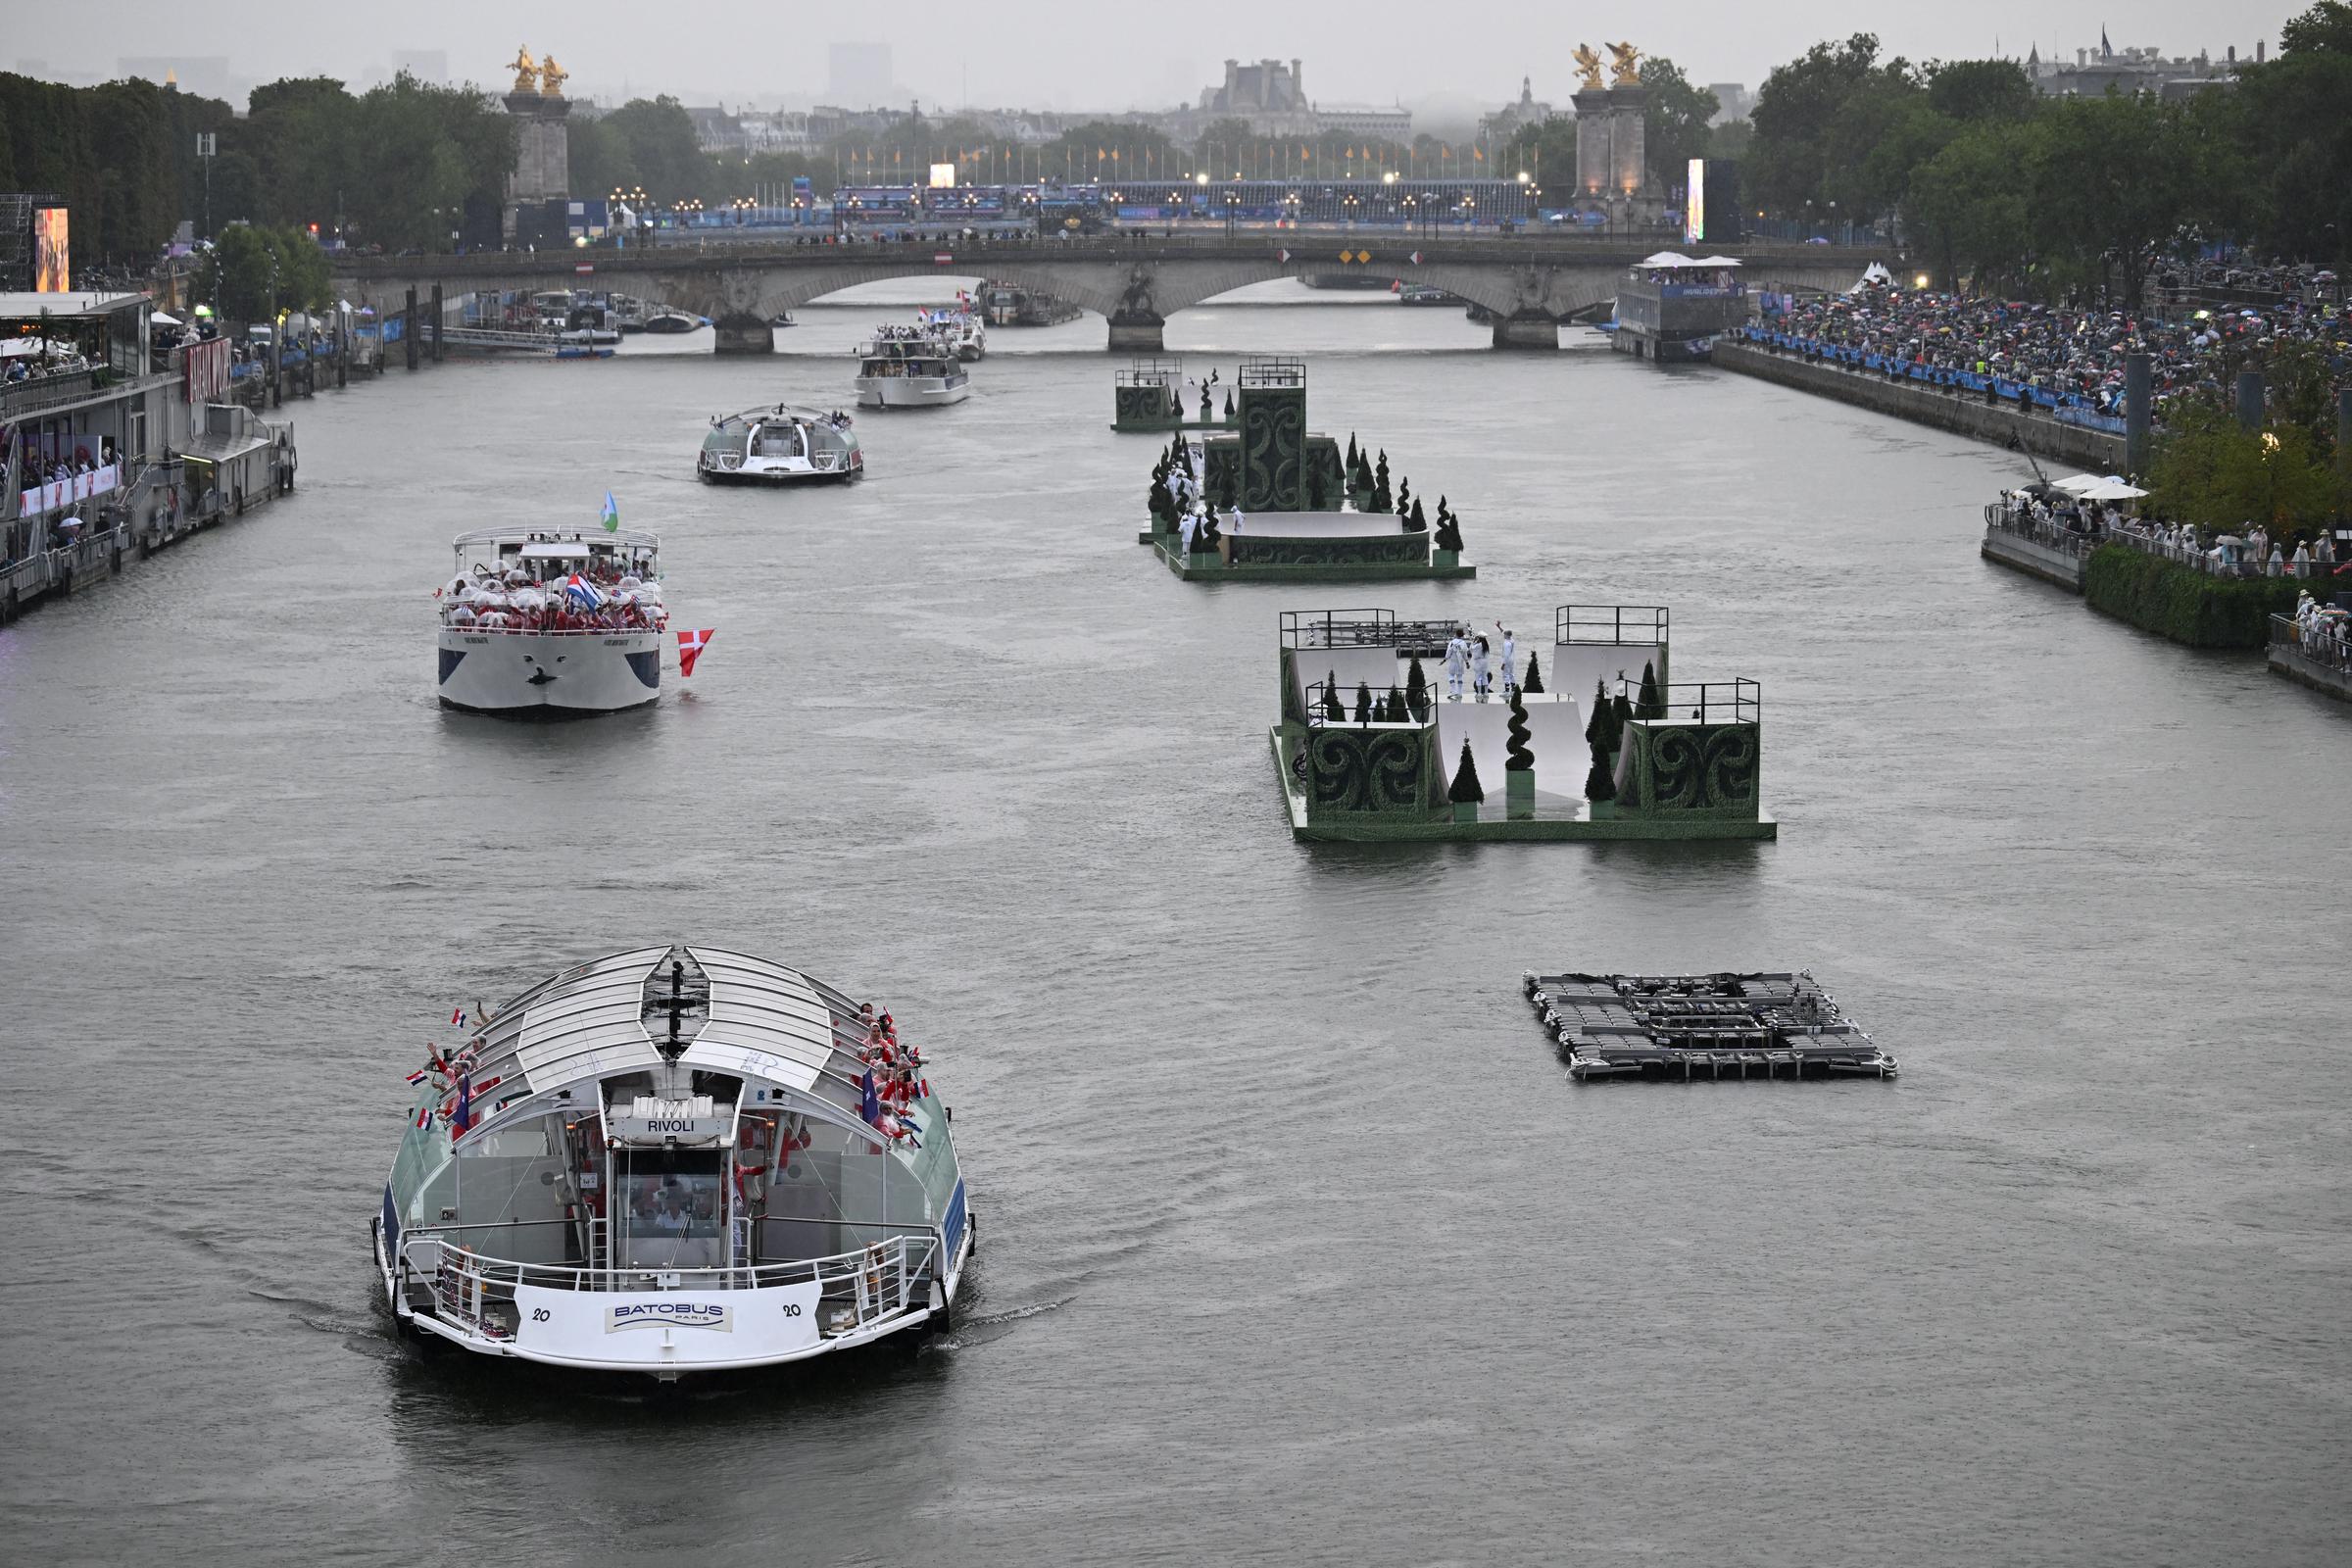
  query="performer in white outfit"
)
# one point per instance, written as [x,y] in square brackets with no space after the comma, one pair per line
[1510,652]
[1456,651]
[1479,675]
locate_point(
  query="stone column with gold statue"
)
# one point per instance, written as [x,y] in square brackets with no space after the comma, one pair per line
[542,147]
[1612,150]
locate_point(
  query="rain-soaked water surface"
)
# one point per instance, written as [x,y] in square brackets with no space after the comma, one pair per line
[1297,1244]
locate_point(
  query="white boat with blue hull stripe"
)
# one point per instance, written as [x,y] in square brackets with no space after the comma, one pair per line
[675,1160]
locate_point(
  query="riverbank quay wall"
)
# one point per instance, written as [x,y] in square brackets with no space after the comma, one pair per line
[2096,451]
[2187,606]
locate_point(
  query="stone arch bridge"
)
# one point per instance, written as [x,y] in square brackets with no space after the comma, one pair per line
[1530,283]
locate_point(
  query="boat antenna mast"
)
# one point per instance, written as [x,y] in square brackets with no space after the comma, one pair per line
[674,1048]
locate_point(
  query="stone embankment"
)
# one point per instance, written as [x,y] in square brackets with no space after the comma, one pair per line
[2094,450]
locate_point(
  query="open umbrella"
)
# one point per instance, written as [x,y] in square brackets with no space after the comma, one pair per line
[2109,490]
[158,318]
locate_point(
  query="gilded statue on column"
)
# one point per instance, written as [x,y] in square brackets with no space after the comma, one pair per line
[1588,65]
[526,71]
[551,78]
[1626,61]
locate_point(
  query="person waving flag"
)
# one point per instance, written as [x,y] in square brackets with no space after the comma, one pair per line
[581,592]
[612,513]
[690,647]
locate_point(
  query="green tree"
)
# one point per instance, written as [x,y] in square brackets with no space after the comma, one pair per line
[1795,118]
[251,269]
[2293,123]
[1674,121]
[2208,470]
[1979,91]
[1969,207]
[658,140]
[1465,788]
[2115,179]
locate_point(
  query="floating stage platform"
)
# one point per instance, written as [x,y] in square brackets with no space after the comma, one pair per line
[1581,738]
[1260,498]
[1678,1027]
[1149,397]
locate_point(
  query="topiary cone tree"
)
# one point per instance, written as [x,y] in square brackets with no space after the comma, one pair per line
[1416,692]
[1393,707]
[1517,757]
[1405,496]
[1363,702]
[1449,528]
[1533,684]
[1334,710]
[1352,458]
[1382,498]
[1465,790]
[1417,522]
[1317,498]
[1597,729]
[1598,784]
[1229,404]
[1621,714]
[1651,704]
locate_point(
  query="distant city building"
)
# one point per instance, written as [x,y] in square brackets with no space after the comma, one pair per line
[1733,100]
[2134,70]
[1504,122]
[714,129]
[204,75]
[428,66]
[859,74]
[1271,96]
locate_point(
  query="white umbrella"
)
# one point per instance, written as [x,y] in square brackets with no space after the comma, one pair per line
[2110,490]
[2078,484]
[158,318]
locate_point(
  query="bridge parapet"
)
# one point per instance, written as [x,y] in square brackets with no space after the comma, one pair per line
[1135,281]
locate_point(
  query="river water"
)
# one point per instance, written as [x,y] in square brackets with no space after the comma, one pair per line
[1298,1243]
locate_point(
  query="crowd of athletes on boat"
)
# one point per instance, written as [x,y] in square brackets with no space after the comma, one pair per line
[598,597]
[893,1080]
[2054,349]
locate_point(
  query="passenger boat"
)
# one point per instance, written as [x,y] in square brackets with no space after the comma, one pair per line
[669,323]
[780,445]
[907,372]
[551,624]
[672,1160]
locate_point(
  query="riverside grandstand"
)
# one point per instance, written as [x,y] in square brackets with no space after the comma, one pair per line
[2067,362]
[910,212]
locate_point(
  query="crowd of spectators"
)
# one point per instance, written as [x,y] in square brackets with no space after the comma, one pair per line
[2251,552]
[2067,357]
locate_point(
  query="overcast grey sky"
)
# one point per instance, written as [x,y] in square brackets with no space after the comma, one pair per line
[1036,53]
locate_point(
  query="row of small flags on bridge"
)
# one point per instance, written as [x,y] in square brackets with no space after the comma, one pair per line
[1353,258]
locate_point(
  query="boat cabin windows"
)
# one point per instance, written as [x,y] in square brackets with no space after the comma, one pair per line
[669,1208]
[779,441]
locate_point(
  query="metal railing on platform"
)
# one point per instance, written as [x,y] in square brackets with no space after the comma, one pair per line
[1610,623]
[1318,710]
[2325,645]
[1363,628]
[2049,536]
[1712,701]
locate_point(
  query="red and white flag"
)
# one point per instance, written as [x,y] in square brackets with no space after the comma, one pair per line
[1416,257]
[690,647]
[1283,257]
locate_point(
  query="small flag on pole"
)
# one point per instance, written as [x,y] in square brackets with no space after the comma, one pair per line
[418,1077]
[612,513]
[425,1116]
[456,1014]
[690,647]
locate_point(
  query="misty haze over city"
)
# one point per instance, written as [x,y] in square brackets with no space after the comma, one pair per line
[1025,54]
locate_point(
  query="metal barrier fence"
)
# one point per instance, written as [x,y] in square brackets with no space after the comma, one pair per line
[2320,644]
[2049,536]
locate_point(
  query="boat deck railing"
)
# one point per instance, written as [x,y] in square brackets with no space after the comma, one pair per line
[1610,623]
[476,1291]
[479,631]
[1272,371]
[2048,535]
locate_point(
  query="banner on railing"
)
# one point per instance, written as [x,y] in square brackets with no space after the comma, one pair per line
[205,371]
[59,494]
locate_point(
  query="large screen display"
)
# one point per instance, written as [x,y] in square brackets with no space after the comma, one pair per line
[1695,210]
[52,262]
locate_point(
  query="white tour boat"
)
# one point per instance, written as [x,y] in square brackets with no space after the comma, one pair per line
[671,1161]
[551,622]
[779,445]
[909,372]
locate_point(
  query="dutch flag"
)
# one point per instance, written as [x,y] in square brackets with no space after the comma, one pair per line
[418,1076]
[457,1016]
[581,592]
[425,1116]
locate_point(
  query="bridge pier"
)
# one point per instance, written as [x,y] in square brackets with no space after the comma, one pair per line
[1138,332]
[1527,330]
[743,334]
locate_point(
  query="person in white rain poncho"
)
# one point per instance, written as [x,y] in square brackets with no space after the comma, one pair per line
[1479,674]
[1457,652]
[1510,653]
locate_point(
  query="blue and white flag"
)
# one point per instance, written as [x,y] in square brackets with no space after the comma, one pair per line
[869,1098]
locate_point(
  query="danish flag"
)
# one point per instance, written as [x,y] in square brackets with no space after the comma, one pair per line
[690,647]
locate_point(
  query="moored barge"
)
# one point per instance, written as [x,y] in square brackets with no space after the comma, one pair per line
[1684,1026]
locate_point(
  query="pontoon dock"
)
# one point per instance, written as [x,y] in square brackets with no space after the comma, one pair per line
[1684,1026]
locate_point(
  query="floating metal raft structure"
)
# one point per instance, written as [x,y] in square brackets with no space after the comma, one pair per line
[1684,1026]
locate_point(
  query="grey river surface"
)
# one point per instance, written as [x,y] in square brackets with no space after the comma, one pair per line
[1298,1243]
